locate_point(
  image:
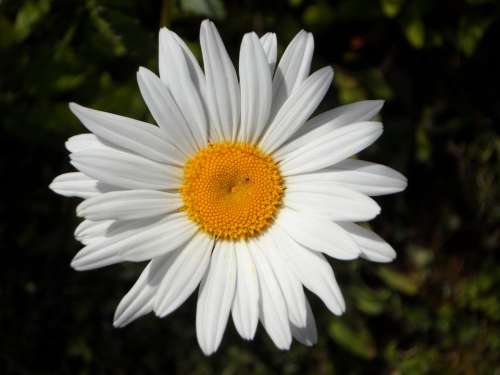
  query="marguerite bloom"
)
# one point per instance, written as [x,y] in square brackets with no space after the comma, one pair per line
[237,191]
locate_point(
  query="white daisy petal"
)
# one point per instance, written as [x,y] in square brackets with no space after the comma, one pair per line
[290,286]
[368,178]
[307,335]
[184,275]
[82,142]
[171,233]
[270,45]
[318,234]
[99,238]
[195,72]
[256,90]
[332,148]
[89,230]
[139,299]
[96,231]
[245,308]
[292,69]
[372,246]
[346,114]
[178,78]
[297,109]
[106,228]
[128,205]
[135,136]
[125,170]
[93,256]
[215,297]
[332,201]
[272,305]
[139,243]
[165,111]
[312,269]
[223,92]
[76,184]
[325,122]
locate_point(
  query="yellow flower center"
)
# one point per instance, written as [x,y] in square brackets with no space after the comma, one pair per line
[232,190]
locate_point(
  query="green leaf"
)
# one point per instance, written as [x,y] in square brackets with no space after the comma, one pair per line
[318,15]
[370,301]
[391,8]
[68,82]
[28,16]
[415,33]
[424,145]
[105,29]
[353,337]
[349,88]
[209,8]
[471,33]
[399,281]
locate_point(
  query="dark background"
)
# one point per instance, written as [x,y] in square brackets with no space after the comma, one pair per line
[435,309]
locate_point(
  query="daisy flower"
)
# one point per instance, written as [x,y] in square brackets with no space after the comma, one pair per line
[238,191]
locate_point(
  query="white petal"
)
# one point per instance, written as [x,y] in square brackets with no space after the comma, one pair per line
[312,269]
[245,308]
[184,275]
[324,123]
[318,234]
[82,141]
[125,170]
[128,205]
[165,111]
[89,230]
[142,242]
[76,184]
[372,246]
[272,305]
[290,286]
[307,335]
[330,200]
[99,238]
[195,72]
[135,136]
[93,256]
[332,148]
[368,178]
[270,46]
[223,92]
[139,299]
[297,109]
[347,114]
[215,297]
[178,77]
[171,233]
[293,68]
[256,91]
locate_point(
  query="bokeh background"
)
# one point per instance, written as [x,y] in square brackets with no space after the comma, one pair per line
[436,309]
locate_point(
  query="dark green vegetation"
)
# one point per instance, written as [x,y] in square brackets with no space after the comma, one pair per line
[436,309]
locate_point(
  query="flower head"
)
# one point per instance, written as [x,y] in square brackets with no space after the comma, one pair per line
[237,190]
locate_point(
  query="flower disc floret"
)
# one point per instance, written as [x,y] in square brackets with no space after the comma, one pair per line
[232,190]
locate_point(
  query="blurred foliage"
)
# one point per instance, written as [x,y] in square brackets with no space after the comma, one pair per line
[436,309]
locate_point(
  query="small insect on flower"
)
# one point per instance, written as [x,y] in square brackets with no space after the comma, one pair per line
[237,190]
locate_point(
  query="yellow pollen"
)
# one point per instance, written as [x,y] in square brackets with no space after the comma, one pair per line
[232,190]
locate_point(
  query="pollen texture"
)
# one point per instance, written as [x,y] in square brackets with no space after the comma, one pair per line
[232,190]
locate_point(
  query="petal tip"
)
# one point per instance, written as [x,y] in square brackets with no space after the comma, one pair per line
[75,108]
[76,264]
